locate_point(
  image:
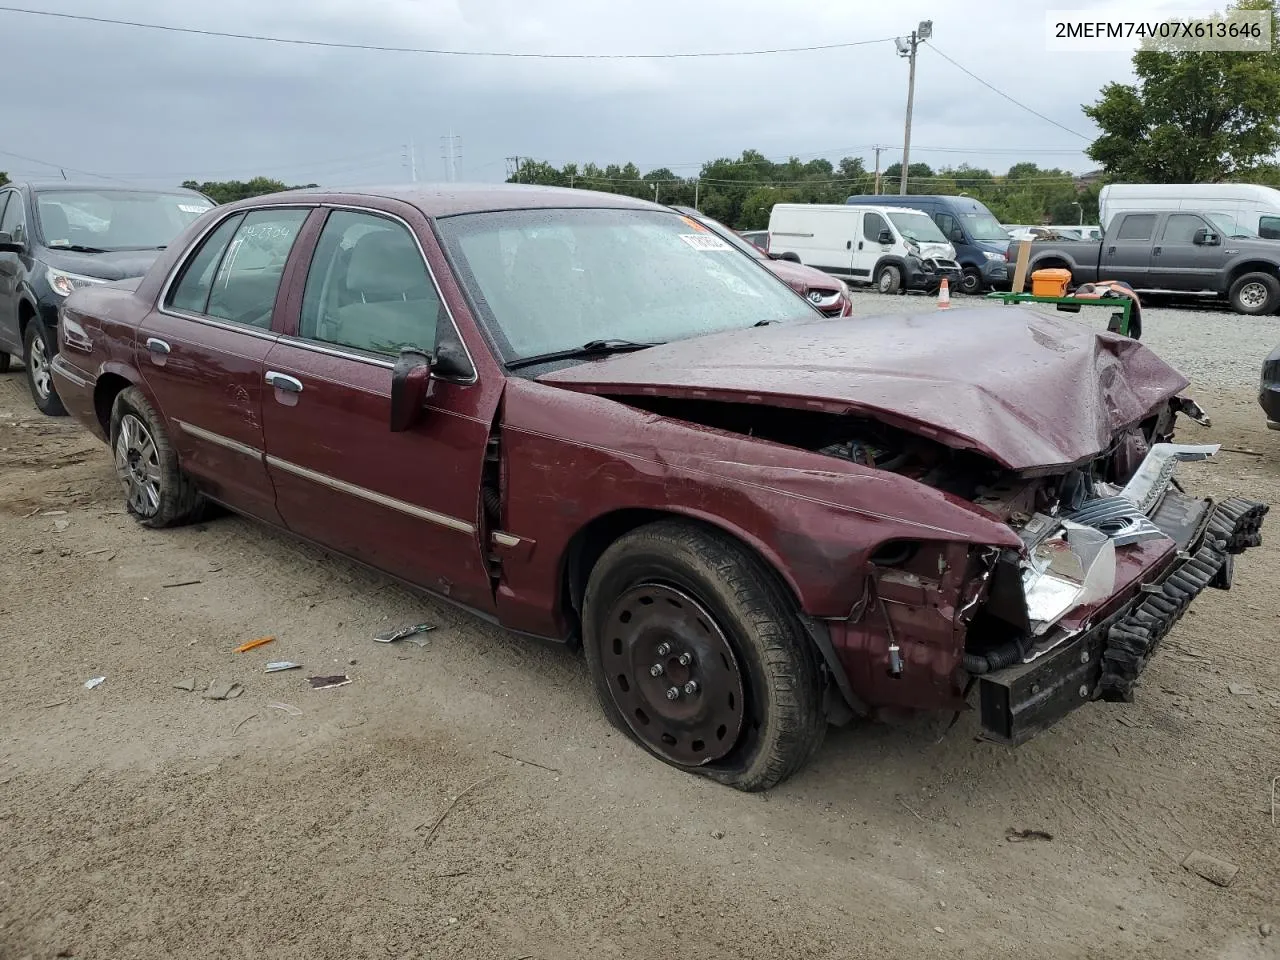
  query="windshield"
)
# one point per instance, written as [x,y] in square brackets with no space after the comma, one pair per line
[918,227]
[115,219]
[1228,226]
[550,280]
[983,226]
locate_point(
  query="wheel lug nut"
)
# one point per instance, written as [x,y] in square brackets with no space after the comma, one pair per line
[691,687]
[655,670]
[673,693]
[664,649]
[686,659]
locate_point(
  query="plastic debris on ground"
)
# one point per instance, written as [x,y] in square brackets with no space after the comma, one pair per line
[187,683]
[254,644]
[95,682]
[326,683]
[280,665]
[223,690]
[405,633]
[286,708]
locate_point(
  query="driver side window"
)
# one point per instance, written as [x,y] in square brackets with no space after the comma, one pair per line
[872,224]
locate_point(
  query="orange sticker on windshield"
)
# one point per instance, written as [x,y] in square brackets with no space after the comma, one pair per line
[695,224]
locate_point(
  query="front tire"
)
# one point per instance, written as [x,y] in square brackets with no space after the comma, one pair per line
[889,279]
[6,362]
[157,491]
[38,358]
[970,281]
[674,606]
[1255,294]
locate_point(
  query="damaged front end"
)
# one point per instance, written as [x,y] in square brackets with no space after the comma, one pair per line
[1078,614]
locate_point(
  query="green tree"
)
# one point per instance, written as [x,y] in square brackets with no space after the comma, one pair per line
[4,178]
[1191,116]
[229,191]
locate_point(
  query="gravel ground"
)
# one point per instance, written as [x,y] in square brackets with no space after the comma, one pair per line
[466,799]
[1214,348]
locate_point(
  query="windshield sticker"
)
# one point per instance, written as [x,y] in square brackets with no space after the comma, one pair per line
[704,241]
[59,243]
[192,208]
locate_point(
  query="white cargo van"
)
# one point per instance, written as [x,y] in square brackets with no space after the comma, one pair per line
[894,248]
[1254,209]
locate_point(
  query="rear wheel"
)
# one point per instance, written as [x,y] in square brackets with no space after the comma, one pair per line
[157,491]
[970,281]
[696,653]
[38,358]
[6,362]
[889,279]
[1255,294]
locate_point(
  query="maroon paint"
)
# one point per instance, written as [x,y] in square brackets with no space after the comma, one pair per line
[570,457]
[1027,390]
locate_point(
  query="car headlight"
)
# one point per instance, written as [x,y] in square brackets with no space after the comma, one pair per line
[992,256]
[63,283]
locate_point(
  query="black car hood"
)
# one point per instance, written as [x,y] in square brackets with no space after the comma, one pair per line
[115,265]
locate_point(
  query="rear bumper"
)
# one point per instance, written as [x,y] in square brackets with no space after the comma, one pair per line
[1105,660]
[75,390]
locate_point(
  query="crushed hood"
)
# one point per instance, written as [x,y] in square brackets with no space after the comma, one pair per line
[1029,390]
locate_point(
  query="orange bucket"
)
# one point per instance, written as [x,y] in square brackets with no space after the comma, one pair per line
[1050,283]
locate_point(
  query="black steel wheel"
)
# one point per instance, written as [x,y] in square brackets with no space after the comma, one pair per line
[696,652]
[970,281]
[673,675]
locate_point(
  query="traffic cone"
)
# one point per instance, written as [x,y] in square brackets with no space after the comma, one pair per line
[944,295]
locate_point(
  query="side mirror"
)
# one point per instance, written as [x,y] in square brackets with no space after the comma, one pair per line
[410,381]
[9,245]
[1204,238]
[886,236]
[956,235]
[790,256]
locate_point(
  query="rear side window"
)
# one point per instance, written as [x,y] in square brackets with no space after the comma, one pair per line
[1137,227]
[245,287]
[191,293]
[1269,228]
[368,287]
[872,224]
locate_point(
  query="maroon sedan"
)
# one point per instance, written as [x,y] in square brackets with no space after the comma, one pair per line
[830,295]
[589,418]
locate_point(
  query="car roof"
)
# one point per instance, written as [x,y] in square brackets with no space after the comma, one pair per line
[51,186]
[454,199]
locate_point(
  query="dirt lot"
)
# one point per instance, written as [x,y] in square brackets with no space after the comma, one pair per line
[140,820]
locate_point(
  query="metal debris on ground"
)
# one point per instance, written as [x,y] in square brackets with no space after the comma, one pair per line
[286,708]
[187,683]
[280,665]
[95,682]
[182,583]
[1242,690]
[326,683]
[405,633]
[1211,868]
[1017,836]
[223,690]
[253,644]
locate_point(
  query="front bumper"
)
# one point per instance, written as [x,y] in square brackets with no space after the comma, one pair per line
[927,274]
[1104,660]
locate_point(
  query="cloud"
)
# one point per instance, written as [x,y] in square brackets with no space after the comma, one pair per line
[160,107]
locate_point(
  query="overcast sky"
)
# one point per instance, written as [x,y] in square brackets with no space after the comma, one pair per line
[163,107]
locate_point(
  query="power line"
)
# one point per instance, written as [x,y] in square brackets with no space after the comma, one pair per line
[334,44]
[59,166]
[997,90]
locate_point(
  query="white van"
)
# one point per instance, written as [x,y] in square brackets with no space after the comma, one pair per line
[1254,209]
[895,248]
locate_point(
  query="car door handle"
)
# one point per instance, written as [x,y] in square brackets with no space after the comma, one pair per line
[1111,249]
[1155,252]
[157,346]
[282,381]
[859,244]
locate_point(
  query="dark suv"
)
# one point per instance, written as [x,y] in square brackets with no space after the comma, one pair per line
[57,237]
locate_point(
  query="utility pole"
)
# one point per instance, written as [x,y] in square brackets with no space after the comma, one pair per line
[516,161]
[655,190]
[877,149]
[411,159]
[907,48]
[450,156]
[696,185]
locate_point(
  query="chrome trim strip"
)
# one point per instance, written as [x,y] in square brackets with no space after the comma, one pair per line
[220,440]
[222,324]
[505,539]
[413,510]
[316,347]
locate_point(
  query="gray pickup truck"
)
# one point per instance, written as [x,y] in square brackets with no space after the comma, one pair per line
[1173,252]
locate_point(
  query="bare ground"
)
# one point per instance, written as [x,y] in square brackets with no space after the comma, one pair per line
[139,820]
